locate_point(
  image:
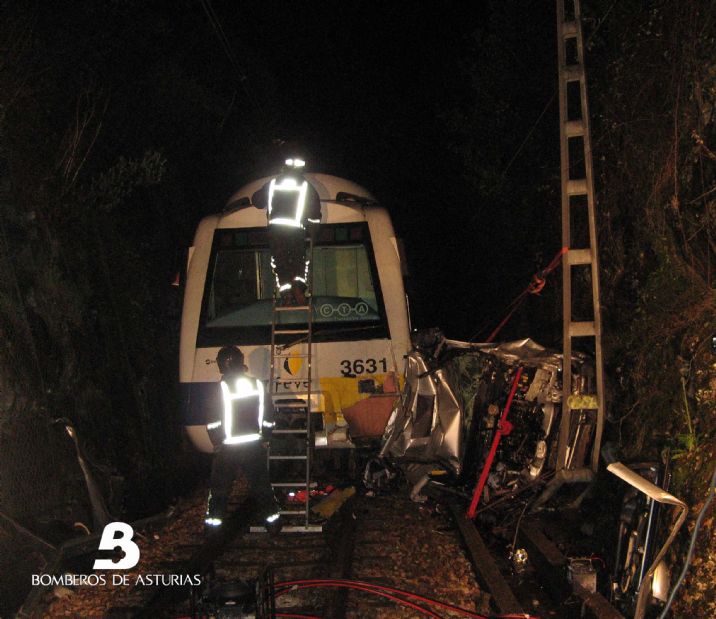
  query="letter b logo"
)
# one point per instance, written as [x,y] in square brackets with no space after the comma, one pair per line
[124,541]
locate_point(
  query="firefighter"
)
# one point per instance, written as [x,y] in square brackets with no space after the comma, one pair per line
[293,206]
[241,439]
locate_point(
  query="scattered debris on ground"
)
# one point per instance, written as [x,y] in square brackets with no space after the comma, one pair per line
[399,543]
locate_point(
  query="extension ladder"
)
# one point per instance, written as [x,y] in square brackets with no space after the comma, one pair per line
[578,219]
[290,404]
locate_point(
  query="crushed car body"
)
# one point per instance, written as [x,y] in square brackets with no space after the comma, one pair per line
[454,394]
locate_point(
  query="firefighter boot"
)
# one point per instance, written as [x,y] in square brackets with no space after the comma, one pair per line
[273,524]
[215,514]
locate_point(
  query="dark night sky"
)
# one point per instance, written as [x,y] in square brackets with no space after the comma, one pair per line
[425,104]
[368,93]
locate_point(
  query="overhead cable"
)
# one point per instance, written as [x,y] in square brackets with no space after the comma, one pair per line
[226,46]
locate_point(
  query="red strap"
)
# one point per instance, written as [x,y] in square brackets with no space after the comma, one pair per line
[503,427]
[506,427]
[555,261]
[498,328]
[537,284]
[539,280]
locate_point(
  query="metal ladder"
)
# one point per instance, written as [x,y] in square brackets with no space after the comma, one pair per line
[575,145]
[287,403]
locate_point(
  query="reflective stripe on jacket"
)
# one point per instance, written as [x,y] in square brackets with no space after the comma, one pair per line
[244,410]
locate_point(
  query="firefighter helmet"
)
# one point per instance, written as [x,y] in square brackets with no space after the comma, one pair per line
[230,360]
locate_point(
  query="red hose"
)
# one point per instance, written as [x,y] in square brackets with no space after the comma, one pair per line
[369,589]
[376,589]
[372,586]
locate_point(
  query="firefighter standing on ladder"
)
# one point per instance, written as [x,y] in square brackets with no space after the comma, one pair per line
[293,204]
[240,437]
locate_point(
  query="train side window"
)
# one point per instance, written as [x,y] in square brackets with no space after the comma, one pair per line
[343,272]
[240,277]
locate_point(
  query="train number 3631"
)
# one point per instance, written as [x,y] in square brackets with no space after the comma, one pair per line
[363,366]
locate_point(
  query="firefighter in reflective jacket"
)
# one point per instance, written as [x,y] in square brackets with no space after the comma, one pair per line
[240,438]
[293,206]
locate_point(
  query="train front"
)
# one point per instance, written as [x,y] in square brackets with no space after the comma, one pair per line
[360,330]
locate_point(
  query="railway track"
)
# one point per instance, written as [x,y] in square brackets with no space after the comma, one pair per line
[372,548]
[371,553]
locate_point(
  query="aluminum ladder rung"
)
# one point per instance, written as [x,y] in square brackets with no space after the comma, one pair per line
[291,332]
[573,73]
[291,405]
[582,329]
[574,128]
[577,187]
[294,484]
[291,528]
[296,394]
[309,528]
[292,308]
[288,457]
[569,29]
[290,432]
[579,256]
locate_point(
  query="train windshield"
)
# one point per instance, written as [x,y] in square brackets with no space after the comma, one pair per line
[238,295]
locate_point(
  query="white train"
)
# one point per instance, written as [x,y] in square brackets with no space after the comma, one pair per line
[361,321]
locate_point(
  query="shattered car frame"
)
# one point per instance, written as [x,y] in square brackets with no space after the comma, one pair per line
[454,392]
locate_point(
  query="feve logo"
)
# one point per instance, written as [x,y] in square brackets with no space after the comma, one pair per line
[293,364]
[109,541]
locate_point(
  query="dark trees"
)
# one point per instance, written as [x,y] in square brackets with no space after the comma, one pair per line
[652,88]
[107,123]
